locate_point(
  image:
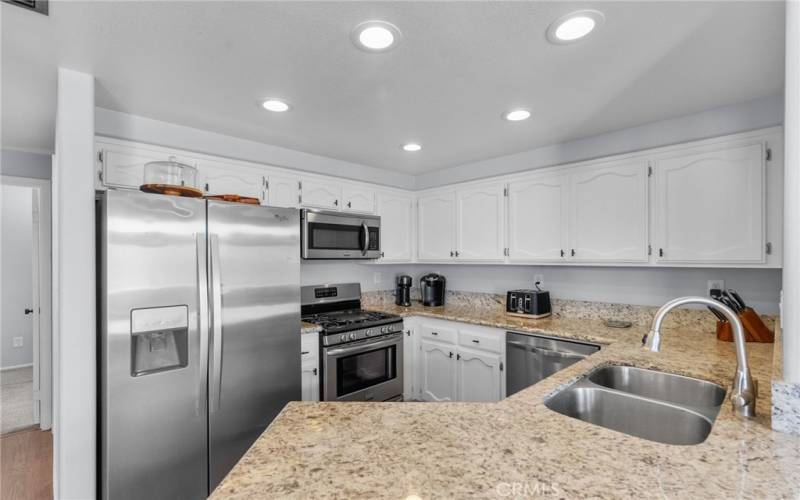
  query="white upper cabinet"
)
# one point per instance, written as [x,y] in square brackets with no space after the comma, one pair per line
[397,223]
[123,166]
[227,179]
[358,199]
[436,226]
[537,218]
[608,213]
[710,206]
[283,191]
[321,194]
[480,215]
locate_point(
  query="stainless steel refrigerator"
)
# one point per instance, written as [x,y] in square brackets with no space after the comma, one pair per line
[198,318]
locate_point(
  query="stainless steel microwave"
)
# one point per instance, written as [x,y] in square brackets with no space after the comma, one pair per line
[336,235]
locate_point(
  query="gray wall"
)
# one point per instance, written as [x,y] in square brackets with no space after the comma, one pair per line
[23,164]
[136,128]
[17,278]
[751,115]
[643,286]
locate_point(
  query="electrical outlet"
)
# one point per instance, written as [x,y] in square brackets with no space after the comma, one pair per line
[377,278]
[712,284]
[538,278]
[17,341]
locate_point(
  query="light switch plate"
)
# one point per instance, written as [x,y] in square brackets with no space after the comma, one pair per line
[17,341]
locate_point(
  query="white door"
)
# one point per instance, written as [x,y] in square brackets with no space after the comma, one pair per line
[436,223]
[608,219]
[321,194]
[537,218]
[438,371]
[710,206]
[397,221]
[358,199]
[480,223]
[310,382]
[409,364]
[479,375]
[224,179]
[283,191]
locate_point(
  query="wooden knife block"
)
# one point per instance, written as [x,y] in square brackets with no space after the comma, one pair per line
[754,328]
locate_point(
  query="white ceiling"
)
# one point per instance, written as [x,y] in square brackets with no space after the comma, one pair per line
[458,67]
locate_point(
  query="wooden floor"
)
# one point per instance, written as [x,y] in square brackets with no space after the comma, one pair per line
[26,465]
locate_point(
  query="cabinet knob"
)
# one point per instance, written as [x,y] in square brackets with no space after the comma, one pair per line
[562,253]
[476,341]
[456,253]
[434,333]
[314,371]
[382,255]
[349,205]
[458,356]
[451,354]
[451,253]
[28,311]
[336,202]
[572,252]
[660,252]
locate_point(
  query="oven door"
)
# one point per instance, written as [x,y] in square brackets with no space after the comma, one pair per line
[369,370]
[333,235]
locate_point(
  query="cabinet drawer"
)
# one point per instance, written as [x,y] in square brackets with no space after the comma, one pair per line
[440,333]
[476,339]
[309,347]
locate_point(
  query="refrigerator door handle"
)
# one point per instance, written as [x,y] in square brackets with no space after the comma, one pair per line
[215,373]
[202,321]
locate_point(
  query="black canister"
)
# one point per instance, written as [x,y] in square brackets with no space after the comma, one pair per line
[402,292]
[432,287]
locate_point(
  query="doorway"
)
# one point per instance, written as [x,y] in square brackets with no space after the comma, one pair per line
[25,325]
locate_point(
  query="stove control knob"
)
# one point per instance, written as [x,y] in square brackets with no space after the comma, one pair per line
[368,332]
[353,336]
[386,329]
[343,338]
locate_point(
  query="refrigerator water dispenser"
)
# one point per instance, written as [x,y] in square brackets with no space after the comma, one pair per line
[159,339]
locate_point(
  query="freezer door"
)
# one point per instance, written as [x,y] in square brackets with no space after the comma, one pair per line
[153,346]
[254,362]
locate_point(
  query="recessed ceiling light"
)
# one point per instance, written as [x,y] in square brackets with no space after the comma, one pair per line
[516,115]
[375,36]
[411,147]
[276,105]
[574,26]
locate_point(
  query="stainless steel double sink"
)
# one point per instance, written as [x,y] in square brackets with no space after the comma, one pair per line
[648,404]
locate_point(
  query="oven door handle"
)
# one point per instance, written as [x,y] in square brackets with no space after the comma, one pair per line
[365,239]
[365,347]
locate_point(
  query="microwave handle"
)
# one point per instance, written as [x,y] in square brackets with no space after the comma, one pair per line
[365,240]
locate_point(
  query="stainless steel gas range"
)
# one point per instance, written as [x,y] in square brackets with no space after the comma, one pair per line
[362,351]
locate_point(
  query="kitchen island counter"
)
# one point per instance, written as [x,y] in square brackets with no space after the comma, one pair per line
[518,447]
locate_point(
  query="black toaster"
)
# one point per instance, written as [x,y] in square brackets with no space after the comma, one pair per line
[528,303]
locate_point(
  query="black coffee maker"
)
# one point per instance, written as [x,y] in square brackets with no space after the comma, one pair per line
[402,293]
[432,288]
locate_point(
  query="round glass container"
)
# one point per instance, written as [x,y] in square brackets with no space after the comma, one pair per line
[171,177]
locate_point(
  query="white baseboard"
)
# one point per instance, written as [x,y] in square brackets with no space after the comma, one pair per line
[14,367]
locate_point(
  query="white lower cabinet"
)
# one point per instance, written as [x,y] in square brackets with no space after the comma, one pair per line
[309,366]
[456,362]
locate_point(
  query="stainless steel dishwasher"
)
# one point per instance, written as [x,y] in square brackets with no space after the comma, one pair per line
[531,357]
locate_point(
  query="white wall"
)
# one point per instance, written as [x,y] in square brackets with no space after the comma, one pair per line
[24,164]
[759,287]
[17,274]
[74,320]
[791,253]
[751,115]
[136,128]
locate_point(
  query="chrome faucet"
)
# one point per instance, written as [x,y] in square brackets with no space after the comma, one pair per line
[743,397]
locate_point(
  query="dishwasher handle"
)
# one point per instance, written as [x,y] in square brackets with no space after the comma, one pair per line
[545,352]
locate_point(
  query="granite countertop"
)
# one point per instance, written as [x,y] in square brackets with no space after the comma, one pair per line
[518,447]
[306,327]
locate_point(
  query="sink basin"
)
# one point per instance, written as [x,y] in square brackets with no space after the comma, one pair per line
[648,404]
[676,389]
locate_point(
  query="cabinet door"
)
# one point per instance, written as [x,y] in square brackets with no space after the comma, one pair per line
[410,350]
[537,218]
[321,194]
[222,179]
[438,371]
[358,199]
[123,166]
[283,191]
[608,219]
[397,221]
[710,206]
[480,223]
[310,382]
[479,376]
[436,223]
